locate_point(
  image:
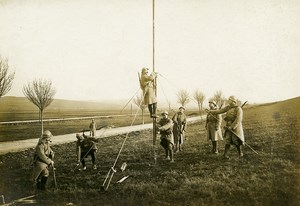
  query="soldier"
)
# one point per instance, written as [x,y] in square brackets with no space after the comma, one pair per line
[146,83]
[86,146]
[165,127]
[43,156]
[234,134]
[213,127]
[93,127]
[179,120]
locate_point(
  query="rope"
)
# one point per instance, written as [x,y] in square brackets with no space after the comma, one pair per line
[112,169]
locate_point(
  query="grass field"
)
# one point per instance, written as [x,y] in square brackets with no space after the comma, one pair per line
[196,178]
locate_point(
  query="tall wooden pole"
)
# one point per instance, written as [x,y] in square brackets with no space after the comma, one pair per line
[155,85]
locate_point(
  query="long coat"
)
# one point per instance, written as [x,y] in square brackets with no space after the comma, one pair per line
[42,158]
[148,88]
[179,120]
[166,130]
[233,118]
[213,126]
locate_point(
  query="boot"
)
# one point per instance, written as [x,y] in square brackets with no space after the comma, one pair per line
[216,147]
[38,184]
[43,183]
[213,147]
[171,155]
[154,110]
[167,154]
[239,149]
[150,109]
[227,147]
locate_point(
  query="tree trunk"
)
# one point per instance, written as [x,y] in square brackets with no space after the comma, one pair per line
[41,112]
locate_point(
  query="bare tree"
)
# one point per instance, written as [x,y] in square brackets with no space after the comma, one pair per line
[139,101]
[40,93]
[199,98]
[183,97]
[219,98]
[5,78]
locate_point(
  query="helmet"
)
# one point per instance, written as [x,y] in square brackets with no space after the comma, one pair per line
[47,134]
[78,136]
[164,112]
[145,69]
[213,102]
[182,108]
[232,98]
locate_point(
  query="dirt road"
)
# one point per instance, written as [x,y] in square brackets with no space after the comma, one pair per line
[16,146]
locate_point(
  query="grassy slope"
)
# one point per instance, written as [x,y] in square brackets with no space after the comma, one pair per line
[196,177]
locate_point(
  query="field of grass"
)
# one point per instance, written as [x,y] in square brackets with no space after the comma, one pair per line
[196,178]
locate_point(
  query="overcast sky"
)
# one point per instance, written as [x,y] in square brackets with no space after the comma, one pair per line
[93,50]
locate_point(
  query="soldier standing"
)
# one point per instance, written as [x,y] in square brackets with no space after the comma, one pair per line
[146,83]
[43,156]
[165,127]
[234,134]
[179,120]
[93,127]
[213,127]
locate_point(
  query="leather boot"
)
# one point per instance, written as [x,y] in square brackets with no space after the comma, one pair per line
[154,107]
[167,154]
[38,184]
[171,155]
[216,147]
[240,151]
[150,109]
[227,147]
[213,147]
[43,183]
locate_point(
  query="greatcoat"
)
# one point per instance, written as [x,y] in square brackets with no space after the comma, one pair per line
[148,88]
[42,158]
[166,134]
[213,126]
[179,120]
[233,118]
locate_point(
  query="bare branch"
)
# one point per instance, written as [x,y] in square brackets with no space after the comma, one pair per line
[183,97]
[5,78]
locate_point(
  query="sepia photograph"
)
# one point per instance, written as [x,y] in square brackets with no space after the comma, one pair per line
[149,102]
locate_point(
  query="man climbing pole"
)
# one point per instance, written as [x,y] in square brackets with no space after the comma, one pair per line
[147,85]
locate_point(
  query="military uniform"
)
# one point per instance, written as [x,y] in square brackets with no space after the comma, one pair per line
[213,127]
[165,127]
[43,156]
[93,128]
[86,146]
[179,120]
[147,86]
[234,134]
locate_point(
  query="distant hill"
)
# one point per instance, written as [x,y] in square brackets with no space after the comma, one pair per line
[22,104]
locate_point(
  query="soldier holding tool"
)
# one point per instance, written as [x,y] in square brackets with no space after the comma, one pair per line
[165,127]
[213,127]
[234,134]
[86,146]
[179,120]
[147,85]
[43,156]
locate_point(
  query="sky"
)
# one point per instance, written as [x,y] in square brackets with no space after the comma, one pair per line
[93,50]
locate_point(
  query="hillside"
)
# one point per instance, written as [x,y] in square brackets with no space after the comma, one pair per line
[22,104]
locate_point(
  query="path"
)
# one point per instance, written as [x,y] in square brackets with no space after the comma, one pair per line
[20,145]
